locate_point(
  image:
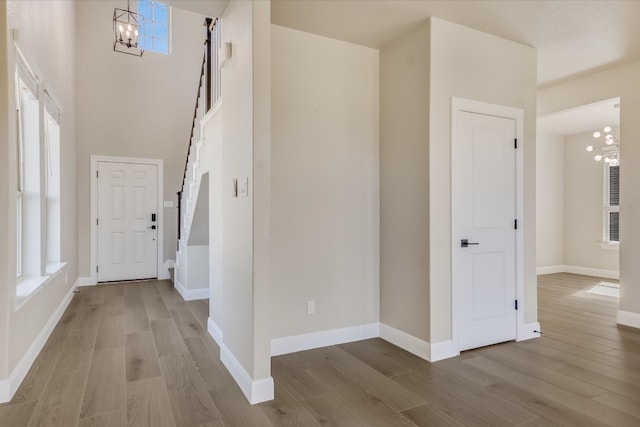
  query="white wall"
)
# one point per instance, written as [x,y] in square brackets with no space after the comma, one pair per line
[620,81]
[6,278]
[134,107]
[549,199]
[404,183]
[325,183]
[469,64]
[45,28]
[198,278]
[583,183]
[246,147]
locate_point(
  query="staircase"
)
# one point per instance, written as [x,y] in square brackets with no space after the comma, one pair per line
[207,96]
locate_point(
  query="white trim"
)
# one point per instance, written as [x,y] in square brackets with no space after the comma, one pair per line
[550,269]
[594,272]
[528,331]
[583,271]
[406,341]
[94,208]
[444,350]
[163,272]
[215,331]
[610,246]
[294,343]
[9,386]
[256,391]
[28,286]
[517,114]
[86,281]
[190,294]
[628,318]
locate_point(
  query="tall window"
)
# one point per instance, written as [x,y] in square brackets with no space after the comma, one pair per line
[52,178]
[611,205]
[154,26]
[28,242]
[38,254]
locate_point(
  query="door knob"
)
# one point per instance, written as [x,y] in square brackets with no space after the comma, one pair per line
[465,243]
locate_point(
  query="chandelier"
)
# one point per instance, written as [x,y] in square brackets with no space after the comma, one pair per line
[125,31]
[608,148]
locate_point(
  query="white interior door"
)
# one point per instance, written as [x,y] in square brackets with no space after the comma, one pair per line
[485,214]
[127,221]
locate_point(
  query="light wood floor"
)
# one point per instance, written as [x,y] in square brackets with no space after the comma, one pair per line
[136,354]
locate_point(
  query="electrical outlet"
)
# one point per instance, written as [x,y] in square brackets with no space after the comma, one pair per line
[311,307]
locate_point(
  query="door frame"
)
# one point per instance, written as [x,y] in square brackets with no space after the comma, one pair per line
[517,114]
[94,208]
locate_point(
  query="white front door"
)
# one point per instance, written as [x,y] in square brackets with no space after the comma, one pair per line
[127,221]
[485,214]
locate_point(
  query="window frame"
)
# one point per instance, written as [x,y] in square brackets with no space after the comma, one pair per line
[147,32]
[34,103]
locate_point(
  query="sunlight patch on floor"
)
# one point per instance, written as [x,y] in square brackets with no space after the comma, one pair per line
[606,288]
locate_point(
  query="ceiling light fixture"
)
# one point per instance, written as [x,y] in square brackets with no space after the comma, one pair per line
[125,31]
[608,149]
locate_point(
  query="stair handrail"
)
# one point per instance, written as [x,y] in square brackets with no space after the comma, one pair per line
[204,80]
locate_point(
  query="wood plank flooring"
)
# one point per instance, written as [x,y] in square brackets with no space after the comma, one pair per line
[136,354]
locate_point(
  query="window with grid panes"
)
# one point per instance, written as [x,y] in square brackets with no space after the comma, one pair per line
[153,26]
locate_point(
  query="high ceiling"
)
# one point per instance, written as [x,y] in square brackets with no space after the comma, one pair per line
[572,37]
[586,118]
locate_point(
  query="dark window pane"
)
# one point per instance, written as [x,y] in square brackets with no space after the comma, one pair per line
[614,226]
[614,185]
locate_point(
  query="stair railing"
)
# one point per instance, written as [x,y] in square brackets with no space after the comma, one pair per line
[207,96]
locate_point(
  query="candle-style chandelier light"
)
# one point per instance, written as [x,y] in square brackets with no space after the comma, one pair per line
[125,31]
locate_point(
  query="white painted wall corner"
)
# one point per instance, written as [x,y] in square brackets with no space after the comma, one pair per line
[255,391]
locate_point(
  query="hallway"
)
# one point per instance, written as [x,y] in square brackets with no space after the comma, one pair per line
[136,354]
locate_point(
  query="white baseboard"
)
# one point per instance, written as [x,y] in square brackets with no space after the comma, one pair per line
[550,269]
[443,350]
[406,341]
[527,332]
[607,274]
[628,318]
[573,269]
[256,391]
[294,343]
[191,294]
[215,331]
[86,281]
[9,386]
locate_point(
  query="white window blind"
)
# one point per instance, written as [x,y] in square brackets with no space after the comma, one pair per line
[611,204]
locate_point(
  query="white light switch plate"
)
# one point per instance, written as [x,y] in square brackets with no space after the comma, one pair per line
[243,187]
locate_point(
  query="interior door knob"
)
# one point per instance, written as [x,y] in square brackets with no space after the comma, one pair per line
[465,243]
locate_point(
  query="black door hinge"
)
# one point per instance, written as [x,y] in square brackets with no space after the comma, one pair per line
[515,224]
[516,304]
[515,143]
